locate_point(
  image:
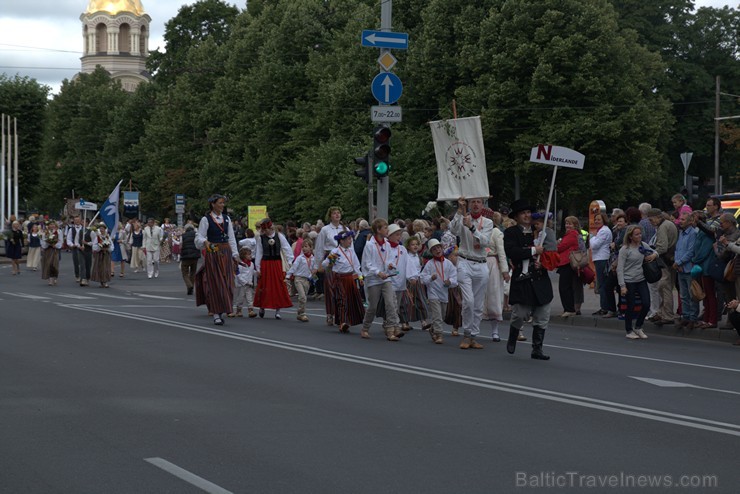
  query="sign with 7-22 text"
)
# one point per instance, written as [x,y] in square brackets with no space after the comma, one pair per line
[385,113]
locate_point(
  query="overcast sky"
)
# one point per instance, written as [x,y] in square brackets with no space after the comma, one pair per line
[42,39]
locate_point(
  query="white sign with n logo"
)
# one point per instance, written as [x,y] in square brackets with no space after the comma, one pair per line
[557,156]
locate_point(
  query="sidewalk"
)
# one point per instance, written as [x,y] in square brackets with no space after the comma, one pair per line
[591,305]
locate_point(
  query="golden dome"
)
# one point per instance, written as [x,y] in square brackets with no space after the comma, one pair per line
[115,6]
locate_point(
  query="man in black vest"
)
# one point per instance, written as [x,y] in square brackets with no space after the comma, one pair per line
[84,246]
[531,289]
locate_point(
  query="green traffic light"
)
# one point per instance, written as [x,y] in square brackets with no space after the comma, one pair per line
[382,168]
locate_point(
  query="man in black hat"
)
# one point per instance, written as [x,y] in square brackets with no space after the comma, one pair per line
[531,289]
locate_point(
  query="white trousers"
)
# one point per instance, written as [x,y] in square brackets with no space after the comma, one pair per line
[472,277]
[152,262]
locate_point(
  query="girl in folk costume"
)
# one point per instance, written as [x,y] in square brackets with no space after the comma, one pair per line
[439,274]
[344,265]
[272,293]
[377,267]
[214,281]
[498,275]
[301,273]
[417,309]
[51,244]
[137,246]
[102,246]
[325,242]
[33,259]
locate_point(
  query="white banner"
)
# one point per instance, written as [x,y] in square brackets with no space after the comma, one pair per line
[461,159]
[557,156]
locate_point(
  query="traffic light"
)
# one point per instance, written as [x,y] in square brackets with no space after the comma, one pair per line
[381,151]
[692,189]
[364,171]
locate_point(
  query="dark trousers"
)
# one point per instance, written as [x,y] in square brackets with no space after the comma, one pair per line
[187,268]
[632,289]
[565,287]
[85,262]
[76,261]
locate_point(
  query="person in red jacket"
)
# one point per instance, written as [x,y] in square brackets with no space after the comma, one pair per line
[568,282]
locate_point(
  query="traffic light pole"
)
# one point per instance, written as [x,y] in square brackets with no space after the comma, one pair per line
[386,15]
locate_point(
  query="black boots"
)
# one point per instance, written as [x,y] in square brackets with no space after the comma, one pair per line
[511,343]
[538,336]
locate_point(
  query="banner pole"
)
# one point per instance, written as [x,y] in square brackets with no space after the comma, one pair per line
[547,209]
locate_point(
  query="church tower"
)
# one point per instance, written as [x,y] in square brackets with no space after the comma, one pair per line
[115,36]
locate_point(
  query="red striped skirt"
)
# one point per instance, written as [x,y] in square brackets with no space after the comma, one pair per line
[330,282]
[453,317]
[348,308]
[271,290]
[414,303]
[214,281]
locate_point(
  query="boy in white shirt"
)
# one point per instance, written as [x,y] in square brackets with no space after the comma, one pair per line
[377,267]
[244,284]
[301,273]
[439,274]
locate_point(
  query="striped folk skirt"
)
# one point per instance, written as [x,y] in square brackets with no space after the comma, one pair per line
[49,263]
[413,305]
[101,267]
[330,282]
[453,316]
[348,307]
[272,293]
[214,281]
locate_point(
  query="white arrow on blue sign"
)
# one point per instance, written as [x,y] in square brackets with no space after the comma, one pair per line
[387,88]
[381,39]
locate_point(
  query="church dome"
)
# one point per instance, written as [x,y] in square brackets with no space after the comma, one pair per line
[115,6]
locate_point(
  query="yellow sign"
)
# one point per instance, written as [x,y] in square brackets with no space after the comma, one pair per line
[387,61]
[254,214]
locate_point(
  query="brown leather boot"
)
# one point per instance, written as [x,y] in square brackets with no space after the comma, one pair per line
[465,343]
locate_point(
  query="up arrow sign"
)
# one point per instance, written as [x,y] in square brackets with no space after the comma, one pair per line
[382,39]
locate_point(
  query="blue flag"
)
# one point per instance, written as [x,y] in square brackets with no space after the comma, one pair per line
[109,211]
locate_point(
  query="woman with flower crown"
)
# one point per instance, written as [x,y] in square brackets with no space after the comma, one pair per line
[272,293]
[214,281]
[102,246]
[51,244]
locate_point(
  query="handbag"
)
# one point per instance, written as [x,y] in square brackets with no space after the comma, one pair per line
[729,274]
[697,291]
[586,275]
[578,259]
[652,270]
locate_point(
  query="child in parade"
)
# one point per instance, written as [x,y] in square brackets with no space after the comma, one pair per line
[377,267]
[397,266]
[272,292]
[439,274]
[453,314]
[51,244]
[176,241]
[301,273]
[417,308]
[344,265]
[244,284]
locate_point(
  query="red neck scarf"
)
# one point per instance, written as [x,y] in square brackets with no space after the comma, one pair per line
[393,244]
[476,215]
[248,263]
[440,258]
[380,240]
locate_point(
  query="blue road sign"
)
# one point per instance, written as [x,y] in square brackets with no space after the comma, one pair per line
[82,201]
[387,88]
[179,198]
[381,39]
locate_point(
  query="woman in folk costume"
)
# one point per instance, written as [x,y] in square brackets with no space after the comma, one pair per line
[51,244]
[344,266]
[102,246]
[324,244]
[214,281]
[498,274]
[272,293]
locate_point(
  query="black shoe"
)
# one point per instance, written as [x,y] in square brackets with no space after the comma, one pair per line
[538,337]
[599,312]
[511,342]
[496,338]
[190,291]
[218,321]
[540,356]
[262,313]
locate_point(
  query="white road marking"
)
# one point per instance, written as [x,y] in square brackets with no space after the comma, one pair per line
[26,295]
[538,393]
[188,477]
[76,297]
[117,297]
[158,297]
[675,384]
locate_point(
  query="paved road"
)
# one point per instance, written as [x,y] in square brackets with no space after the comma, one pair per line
[133,390]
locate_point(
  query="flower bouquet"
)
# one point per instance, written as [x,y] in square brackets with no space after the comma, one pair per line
[51,237]
[212,248]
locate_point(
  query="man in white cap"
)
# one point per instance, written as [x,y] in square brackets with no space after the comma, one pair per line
[474,231]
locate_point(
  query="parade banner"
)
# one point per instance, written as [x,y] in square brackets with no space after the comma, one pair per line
[254,214]
[461,158]
[109,211]
[131,204]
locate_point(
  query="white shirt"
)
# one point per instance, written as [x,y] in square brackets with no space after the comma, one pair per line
[303,266]
[347,261]
[72,235]
[600,244]
[413,266]
[325,240]
[445,270]
[497,249]
[152,237]
[201,235]
[402,259]
[472,244]
[245,274]
[377,259]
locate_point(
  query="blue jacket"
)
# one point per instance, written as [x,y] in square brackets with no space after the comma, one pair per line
[685,249]
[703,251]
